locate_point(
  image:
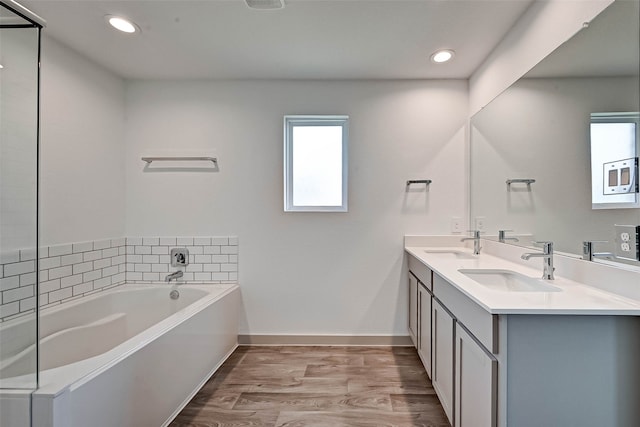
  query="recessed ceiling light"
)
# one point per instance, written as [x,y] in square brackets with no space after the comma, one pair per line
[443,55]
[122,24]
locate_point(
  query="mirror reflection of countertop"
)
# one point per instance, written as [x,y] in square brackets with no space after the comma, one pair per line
[565,296]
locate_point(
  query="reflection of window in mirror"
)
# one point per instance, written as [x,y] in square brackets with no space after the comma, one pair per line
[614,160]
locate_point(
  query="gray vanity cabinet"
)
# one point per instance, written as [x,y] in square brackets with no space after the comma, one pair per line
[424,320]
[413,309]
[421,278]
[443,327]
[456,357]
[525,369]
[476,382]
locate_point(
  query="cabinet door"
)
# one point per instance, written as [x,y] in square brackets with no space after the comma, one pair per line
[476,383]
[424,341]
[413,309]
[443,346]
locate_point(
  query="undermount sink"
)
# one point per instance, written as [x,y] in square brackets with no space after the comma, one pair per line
[508,281]
[449,253]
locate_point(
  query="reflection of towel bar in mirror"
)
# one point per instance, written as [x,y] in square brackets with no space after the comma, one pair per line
[180,159]
[419,181]
[527,181]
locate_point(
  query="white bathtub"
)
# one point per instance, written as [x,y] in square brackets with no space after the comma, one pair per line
[130,356]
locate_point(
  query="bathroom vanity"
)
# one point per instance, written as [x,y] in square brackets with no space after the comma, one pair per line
[506,348]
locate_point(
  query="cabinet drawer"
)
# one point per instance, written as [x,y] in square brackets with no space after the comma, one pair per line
[482,324]
[422,272]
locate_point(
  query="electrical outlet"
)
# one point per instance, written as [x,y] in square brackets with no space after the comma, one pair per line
[479,223]
[456,224]
[627,242]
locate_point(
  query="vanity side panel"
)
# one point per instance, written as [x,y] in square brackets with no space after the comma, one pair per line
[628,370]
[573,371]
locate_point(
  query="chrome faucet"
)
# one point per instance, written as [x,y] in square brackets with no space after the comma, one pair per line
[502,236]
[589,254]
[476,241]
[173,276]
[547,255]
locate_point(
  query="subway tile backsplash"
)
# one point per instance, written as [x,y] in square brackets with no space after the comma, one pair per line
[211,259]
[74,270]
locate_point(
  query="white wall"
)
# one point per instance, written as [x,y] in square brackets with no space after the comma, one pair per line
[18,137]
[81,148]
[302,273]
[542,28]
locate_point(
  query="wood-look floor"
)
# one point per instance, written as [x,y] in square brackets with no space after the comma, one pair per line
[317,386]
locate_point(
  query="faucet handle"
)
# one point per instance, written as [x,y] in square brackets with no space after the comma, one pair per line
[502,236]
[476,235]
[547,246]
[587,248]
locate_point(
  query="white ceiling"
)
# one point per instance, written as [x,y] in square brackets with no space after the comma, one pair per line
[308,39]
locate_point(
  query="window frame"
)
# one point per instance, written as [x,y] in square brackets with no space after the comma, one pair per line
[291,121]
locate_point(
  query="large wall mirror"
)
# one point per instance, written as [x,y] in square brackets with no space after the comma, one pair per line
[537,134]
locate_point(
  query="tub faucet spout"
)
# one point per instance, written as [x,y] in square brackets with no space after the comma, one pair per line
[173,276]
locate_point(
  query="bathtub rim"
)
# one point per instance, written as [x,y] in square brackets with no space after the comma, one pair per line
[56,381]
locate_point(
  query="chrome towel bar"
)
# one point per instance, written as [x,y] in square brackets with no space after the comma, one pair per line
[521,181]
[179,159]
[419,181]
[526,181]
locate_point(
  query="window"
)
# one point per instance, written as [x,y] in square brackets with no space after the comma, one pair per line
[315,163]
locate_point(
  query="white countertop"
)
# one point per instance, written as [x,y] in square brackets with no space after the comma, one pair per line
[574,298]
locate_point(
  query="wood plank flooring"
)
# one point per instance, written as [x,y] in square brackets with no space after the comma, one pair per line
[317,386]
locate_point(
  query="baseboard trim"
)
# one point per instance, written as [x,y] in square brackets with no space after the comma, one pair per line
[356,340]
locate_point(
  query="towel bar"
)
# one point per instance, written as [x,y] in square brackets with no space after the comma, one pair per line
[419,181]
[180,159]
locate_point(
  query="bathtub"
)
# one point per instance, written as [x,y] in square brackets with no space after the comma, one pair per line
[131,356]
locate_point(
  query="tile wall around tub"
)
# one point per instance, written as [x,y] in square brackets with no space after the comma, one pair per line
[17,283]
[67,272]
[74,270]
[211,259]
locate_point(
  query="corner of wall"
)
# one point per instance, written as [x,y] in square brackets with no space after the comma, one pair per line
[543,27]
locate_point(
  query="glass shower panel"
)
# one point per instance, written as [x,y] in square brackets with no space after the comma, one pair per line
[19,74]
